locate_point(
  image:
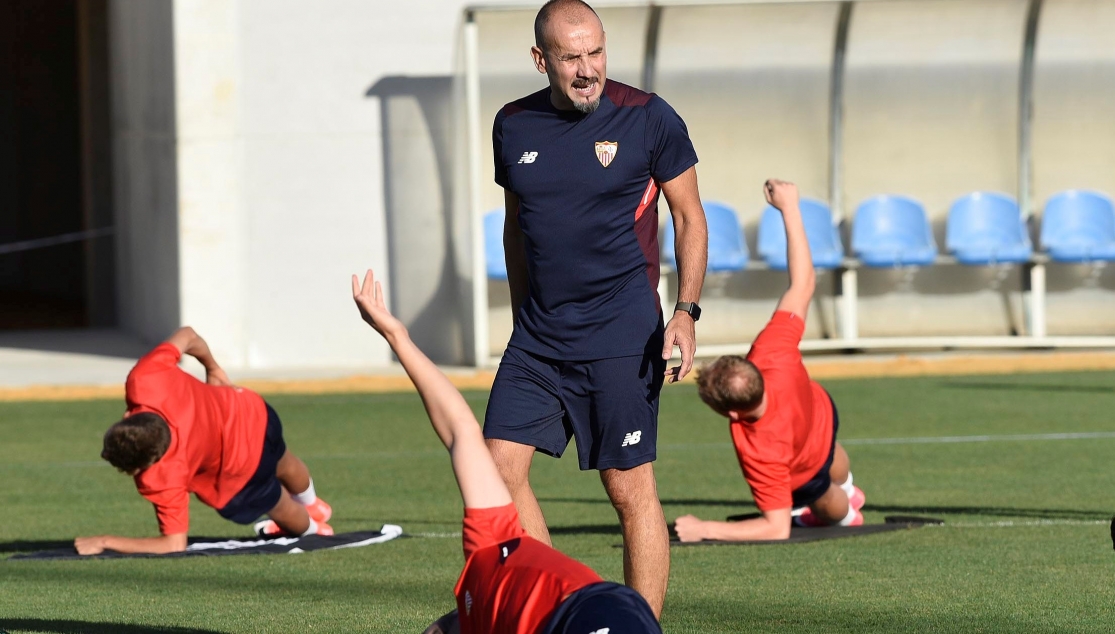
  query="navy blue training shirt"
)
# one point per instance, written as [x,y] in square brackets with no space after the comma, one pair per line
[588,189]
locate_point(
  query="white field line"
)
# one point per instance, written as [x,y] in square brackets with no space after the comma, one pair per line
[456,535]
[1020,523]
[933,440]
[850,442]
[960,439]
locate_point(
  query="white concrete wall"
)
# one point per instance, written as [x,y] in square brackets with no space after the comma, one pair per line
[144,151]
[282,182]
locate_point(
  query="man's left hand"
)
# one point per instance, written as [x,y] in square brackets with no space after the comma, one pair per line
[680,332]
[90,545]
[689,528]
[217,377]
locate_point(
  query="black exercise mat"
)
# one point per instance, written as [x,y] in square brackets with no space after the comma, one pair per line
[800,534]
[208,546]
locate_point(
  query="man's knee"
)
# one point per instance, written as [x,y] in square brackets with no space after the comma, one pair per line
[512,461]
[631,489]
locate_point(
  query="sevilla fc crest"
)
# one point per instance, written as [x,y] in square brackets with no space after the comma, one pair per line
[606,152]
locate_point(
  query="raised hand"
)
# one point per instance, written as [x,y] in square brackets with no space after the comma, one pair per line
[369,299]
[782,195]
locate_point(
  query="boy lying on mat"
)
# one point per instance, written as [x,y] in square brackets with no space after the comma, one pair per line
[222,443]
[511,583]
[783,424]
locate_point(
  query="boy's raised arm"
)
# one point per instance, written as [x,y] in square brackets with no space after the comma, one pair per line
[783,196]
[189,342]
[452,418]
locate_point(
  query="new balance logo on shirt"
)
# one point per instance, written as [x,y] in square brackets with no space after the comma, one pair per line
[632,438]
[528,157]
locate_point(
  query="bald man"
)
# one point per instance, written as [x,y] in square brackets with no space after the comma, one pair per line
[582,163]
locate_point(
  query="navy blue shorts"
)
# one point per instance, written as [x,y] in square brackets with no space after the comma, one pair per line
[262,492]
[609,405]
[812,491]
[603,607]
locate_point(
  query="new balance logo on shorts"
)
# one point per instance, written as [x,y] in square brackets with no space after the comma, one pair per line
[528,157]
[632,439]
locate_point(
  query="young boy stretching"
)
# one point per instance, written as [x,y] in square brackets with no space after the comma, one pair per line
[222,443]
[512,583]
[783,424]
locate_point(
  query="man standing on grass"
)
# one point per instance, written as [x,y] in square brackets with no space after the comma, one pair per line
[783,424]
[511,583]
[222,443]
[582,163]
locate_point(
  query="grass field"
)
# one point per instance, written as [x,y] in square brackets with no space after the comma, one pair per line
[1026,547]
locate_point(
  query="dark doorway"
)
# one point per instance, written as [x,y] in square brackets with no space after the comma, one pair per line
[54,166]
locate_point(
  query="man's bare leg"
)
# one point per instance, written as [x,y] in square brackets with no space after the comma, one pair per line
[646,540]
[291,516]
[292,473]
[513,462]
[833,506]
[841,466]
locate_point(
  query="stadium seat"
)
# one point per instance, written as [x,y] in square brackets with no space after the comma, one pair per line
[727,250]
[824,237]
[1079,226]
[493,245]
[893,231]
[987,228]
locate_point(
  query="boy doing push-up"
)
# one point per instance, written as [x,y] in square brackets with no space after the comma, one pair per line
[783,424]
[511,583]
[222,443]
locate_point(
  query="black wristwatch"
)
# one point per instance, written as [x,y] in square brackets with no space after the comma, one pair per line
[691,308]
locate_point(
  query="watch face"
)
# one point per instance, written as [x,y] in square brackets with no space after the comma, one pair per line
[695,312]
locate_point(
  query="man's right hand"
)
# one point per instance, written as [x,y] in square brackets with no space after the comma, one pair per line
[781,195]
[369,299]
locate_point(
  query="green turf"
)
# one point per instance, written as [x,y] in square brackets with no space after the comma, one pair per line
[374,458]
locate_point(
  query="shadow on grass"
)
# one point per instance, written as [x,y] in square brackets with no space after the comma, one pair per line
[59,626]
[664,501]
[993,511]
[1030,387]
[587,529]
[31,546]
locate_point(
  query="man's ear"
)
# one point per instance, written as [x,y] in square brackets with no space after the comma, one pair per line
[539,59]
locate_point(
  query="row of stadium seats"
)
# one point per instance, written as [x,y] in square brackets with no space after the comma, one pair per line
[894,231]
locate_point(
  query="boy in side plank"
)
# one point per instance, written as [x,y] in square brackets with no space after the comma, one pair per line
[783,424]
[222,443]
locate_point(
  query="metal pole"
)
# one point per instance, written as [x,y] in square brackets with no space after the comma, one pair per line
[836,113]
[480,351]
[1026,111]
[650,47]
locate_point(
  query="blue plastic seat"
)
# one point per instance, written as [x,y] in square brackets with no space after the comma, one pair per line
[727,250]
[987,228]
[824,237]
[893,231]
[493,244]
[1079,226]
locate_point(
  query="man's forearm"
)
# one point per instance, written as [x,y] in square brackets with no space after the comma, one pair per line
[747,530]
[445,406]
[691,246]
[799,260]
[156,545]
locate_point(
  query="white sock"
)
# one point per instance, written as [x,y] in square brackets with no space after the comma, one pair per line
[847,486]
[309,496]
[312,530]
[850,517]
